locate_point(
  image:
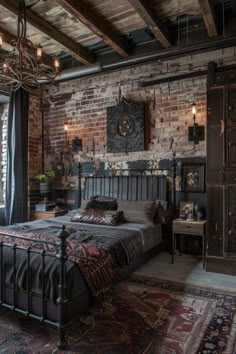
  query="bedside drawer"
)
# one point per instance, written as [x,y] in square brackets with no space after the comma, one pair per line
[189,227]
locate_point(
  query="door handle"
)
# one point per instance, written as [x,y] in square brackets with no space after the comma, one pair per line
[222,127]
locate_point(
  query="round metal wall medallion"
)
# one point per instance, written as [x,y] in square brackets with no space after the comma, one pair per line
[125,126]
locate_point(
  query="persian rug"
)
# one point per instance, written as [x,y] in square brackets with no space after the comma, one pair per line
[146,315]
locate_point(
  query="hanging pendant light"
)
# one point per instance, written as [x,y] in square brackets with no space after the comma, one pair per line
[23,65]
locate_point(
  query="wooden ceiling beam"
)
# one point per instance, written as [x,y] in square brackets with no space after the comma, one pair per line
[152,21]
[96,24]
[75,49]
[8,37]
[209,17]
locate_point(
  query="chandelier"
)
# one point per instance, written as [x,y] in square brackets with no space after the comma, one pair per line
[23,65]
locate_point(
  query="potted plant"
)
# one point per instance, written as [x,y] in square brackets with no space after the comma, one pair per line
[44,181]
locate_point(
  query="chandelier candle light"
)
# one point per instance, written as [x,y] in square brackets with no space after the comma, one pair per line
[23,66]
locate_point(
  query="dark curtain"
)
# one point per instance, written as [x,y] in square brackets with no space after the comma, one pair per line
[17,153]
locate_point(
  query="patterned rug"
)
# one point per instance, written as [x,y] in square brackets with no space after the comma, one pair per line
[146,315]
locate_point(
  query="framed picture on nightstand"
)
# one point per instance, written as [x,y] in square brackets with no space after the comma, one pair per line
[193,178]
[186,210]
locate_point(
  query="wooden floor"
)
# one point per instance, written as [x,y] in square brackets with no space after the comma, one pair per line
[188,269]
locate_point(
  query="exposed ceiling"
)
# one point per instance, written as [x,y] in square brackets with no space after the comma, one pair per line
[88,31]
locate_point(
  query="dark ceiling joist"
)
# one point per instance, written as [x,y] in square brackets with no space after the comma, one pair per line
[209,17]
[7,38]
[75,49]
[96,24]
[152,21]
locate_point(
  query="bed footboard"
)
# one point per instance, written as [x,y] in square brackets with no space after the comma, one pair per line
[9,294]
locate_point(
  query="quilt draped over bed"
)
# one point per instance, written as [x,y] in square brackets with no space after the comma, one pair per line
[95,262]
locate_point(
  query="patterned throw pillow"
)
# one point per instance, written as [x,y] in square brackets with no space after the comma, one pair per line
[101,217]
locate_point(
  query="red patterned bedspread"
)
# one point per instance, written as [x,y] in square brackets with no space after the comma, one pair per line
[96,263]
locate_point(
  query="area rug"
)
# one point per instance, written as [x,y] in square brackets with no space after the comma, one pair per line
[145,315]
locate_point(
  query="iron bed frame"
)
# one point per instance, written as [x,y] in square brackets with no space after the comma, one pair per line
[65,310]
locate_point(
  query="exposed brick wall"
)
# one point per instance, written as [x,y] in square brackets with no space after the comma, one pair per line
[34,140]
[83,103]
[35,164]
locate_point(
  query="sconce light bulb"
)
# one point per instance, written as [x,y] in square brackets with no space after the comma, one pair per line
[0,41]
[66,127]
[194,110]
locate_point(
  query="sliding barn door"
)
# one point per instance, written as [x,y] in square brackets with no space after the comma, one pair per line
[221,174]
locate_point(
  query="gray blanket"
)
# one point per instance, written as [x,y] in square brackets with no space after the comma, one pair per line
[125,245]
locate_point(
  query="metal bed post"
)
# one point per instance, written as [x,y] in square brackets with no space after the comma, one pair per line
[79,184]
[174,165]
[62,298]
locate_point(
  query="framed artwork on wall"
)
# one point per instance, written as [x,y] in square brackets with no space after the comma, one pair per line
[193,178]
[125,127]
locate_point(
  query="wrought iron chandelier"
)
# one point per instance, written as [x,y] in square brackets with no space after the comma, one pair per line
[23,66]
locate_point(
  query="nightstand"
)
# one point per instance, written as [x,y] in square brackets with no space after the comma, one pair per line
[48,214]
[190,228]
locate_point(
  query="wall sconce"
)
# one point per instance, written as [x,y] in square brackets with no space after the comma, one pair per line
[66,131]
[196,133]
[76,144]
[65,127]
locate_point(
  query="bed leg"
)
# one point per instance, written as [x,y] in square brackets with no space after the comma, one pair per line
[61,343]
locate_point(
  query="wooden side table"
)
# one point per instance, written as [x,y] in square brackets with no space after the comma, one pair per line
[48,214]
[190,228]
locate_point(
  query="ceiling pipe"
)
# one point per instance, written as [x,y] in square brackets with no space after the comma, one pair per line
[79,71]
[165,54]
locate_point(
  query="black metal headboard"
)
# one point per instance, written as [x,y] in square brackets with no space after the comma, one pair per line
[140,187]
[127,184]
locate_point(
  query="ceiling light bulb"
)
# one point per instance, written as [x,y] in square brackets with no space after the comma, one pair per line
[4,67]
[56,64]
[39,52]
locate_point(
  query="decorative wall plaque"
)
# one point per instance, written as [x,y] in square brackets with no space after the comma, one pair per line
[125,127]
